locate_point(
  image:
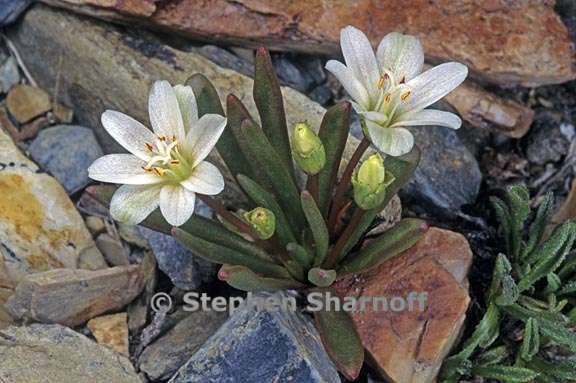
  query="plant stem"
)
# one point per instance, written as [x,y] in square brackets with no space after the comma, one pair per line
[227,215]
[335,255]
[344,184]
[313,187]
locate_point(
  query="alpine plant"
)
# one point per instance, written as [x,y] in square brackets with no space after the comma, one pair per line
[165,167]
[389,90]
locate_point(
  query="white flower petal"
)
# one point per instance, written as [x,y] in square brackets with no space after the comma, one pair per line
[429,117]
[128,132]
[353,86]
[121,169]
[188,105]
[202,138]
[176,204]
[391,141]
[360,58]
[131,204]
[377,117]
[206,179]
[434,84]
[401,54]
[164,111]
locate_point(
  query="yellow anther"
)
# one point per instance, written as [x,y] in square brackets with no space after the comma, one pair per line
[405,96]
[387,98]
[381,80]
[159,172]
[149,147]
[146,168]
[403,80]
[174,138]
[174,162]
[162,137]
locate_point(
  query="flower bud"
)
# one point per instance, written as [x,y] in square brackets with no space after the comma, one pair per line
[262,221]
[308,149]
[370,182]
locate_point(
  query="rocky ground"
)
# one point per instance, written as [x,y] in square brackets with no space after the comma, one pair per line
[81,284]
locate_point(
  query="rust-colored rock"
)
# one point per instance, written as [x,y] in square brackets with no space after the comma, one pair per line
[111,331]
[409,346]
[26,102]
[502,41]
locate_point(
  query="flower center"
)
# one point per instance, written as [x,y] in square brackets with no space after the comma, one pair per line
[393,92]
[166,159]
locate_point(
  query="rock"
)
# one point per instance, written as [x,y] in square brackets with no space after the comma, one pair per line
[261,346]
[226,59]
[53,353]
[95,224]
[321,94]
[71,297]
[9,74]
[448,175]
[5,318]
[185,271]
[26,102]
[62,113]
[409,346]
[547,143]
[53,146]
[139,308]
[165,356]
[111,331]
[290,74]
[485,110]
[40,229]
[113,250]
[502,41]
[11,9]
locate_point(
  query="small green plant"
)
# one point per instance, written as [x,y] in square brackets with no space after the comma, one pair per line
[298,234]
[530,302]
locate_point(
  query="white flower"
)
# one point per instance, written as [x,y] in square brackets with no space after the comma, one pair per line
[388,89]
[166,167]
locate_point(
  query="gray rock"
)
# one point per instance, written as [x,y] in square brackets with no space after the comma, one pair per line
[226,59]
[290,74]
[261,346]
[11,9]
[186,271]
[448,175]
[53,353]
[9,74]
[52,149]
[547,144]
[113,250]
[165,356]
[321,94]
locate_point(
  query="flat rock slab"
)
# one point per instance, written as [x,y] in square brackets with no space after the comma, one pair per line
[409,346]
[66,151]
[40,229]
[26,102]
[261,346]
[53,353]
[165,356]
[111,331]
[71,297]
[503,41]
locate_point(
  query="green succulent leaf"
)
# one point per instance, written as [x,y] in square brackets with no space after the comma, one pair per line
[389,244]
[333,133]
[568,288]
[401,168]
[216,253]
[506,374]
[564,370]
[509,293]
[242,278]
[300,253]
[268,100]
[531,341]
[504,219]
[341,341]
[258,148]
[493,356]
[502,268]
[538,226]
[320,277]
[519,201]
[317,226]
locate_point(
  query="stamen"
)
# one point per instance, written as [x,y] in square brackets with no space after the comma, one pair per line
[149,147]
[381,80]
[146,168]
[403,80]
[159,171]
[174,162]
[162,137]
[387,98]
[405,96]
[174,138]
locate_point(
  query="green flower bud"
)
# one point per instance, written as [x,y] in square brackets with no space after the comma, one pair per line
[370,182]
[262,221]
[308,149]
